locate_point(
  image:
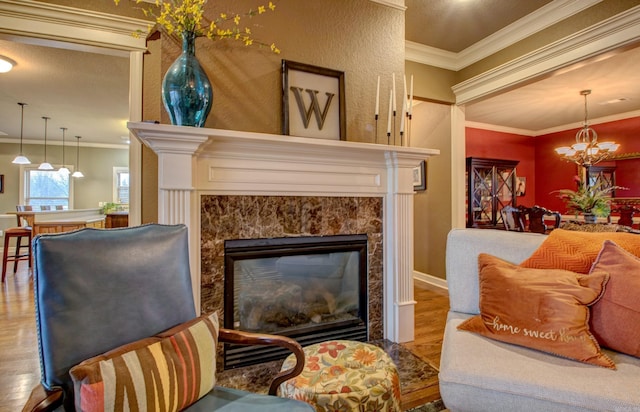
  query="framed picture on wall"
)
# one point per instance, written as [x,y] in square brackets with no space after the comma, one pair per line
[521,186]
[420,177]
[313,101]
[1,183]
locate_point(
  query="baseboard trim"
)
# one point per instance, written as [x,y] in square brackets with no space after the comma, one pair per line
[430,279]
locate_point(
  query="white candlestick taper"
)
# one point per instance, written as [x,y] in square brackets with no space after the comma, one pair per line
[411,97]
[393,92]
[390,114]
[378,98]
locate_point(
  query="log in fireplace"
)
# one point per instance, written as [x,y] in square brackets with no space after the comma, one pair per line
[309,288]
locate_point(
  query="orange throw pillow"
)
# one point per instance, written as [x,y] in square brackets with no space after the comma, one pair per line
[576,251]
[615,318]
[539,309]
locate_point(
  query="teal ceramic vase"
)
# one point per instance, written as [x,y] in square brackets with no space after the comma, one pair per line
[186,90]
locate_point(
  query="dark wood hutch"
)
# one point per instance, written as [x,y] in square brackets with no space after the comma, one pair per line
[491,185]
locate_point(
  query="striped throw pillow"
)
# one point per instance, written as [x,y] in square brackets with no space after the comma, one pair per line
[166,372]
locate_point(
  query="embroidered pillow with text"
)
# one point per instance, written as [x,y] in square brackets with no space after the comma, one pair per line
[542,309]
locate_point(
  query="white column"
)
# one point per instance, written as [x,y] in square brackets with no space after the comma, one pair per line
[135,147]
[458,166]
[399,304]
[175,147]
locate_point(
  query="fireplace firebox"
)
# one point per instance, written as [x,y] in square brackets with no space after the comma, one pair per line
[309,288]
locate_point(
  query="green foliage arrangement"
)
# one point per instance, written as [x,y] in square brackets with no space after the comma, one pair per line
[179,17]
[595,199]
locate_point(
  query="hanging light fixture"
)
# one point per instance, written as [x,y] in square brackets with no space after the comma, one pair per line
[21,159]
[78,173]
[586,151]
[45,165]
[6,64]
[63,170]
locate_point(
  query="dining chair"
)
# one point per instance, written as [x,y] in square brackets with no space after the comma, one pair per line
[626,214]
[514,218]
[537,219]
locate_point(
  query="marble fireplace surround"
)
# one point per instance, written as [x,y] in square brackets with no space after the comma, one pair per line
[198,162]
[260,217]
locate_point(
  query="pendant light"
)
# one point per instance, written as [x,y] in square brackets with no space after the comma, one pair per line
[78,173]
[21,159]
[63,170]
[45,165]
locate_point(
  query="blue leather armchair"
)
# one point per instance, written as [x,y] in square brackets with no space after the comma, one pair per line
[96,290]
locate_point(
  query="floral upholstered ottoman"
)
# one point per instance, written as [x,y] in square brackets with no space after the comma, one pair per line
[344,375]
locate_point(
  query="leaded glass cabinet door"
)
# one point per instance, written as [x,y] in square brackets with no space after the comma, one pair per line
[602,176]
[490,187]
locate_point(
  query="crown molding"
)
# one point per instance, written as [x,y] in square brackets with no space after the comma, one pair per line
[431,56]
[616,32]
[540,19]
[542,132]
[67,24]
[592,122]
[394,4]
[502,129]
[122,146]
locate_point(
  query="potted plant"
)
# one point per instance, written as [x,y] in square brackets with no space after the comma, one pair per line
[590,201]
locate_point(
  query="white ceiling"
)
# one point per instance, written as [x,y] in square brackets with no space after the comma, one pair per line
[465,22]
[88,92]
[555,103]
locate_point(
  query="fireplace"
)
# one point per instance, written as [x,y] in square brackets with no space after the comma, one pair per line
[195,164]
[311,288]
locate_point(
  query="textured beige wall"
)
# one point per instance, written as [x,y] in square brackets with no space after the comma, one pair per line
[361,38]
[430,82]
[431,128]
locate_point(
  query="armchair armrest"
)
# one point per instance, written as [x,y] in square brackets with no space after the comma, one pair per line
[248,338]
[41,400]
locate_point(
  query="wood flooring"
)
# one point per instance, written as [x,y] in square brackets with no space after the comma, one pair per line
[20,370]
[19,366]
[430,317]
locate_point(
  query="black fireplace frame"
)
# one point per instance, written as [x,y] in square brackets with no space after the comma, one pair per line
[242,249]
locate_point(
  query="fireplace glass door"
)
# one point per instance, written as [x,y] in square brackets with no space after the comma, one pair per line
[309,288]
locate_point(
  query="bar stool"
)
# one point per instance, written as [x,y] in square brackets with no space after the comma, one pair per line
[18,233]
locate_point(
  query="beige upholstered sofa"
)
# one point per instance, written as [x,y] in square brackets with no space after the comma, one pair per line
[480,374]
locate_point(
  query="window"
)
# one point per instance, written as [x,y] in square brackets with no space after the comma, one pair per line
[121,185]
[46,187]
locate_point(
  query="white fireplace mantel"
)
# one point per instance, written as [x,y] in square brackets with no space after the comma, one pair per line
[198,161]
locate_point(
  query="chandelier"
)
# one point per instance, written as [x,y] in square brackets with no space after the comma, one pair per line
[586,151]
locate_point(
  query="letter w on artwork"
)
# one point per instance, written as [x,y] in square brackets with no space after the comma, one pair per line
[314,106]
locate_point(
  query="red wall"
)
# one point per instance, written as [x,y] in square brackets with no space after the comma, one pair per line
[553,173]
[508,146]
[545,171]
